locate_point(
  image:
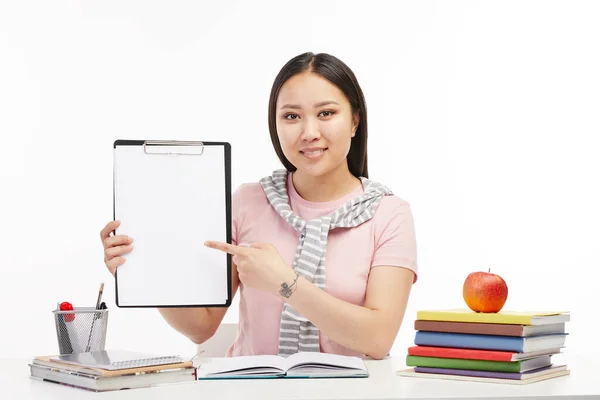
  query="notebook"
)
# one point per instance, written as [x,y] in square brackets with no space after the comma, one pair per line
[45,361]
[487,377]
[481,328]
[298,365]
[519,366]
[116,359]
[490,342]
[131,380]
[476,354]
[502,317]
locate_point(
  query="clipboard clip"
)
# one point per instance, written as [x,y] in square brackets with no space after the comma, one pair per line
[192,148]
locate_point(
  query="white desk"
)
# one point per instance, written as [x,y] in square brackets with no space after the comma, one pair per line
[583,383]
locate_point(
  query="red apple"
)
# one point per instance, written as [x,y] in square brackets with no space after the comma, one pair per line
[485,292]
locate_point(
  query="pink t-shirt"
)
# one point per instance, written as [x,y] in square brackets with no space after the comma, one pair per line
[387,239]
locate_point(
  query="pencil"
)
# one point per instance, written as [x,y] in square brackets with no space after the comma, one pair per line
[99,296]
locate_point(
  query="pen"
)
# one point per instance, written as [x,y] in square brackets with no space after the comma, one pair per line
[96,316]
[99,296]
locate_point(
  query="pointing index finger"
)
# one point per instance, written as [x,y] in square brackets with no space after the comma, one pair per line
[226,247]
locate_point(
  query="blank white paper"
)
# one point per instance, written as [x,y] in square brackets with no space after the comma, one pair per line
[170,204]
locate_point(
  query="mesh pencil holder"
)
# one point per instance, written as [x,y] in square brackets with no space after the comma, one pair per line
[81,330]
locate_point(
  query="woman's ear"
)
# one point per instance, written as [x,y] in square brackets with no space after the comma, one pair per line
[355,122]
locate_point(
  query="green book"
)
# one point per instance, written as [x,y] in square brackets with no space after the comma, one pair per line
[479,365]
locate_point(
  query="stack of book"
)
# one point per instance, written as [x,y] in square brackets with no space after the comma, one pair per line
[504,347]
[108,370]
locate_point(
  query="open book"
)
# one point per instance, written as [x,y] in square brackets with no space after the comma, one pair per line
[299,365]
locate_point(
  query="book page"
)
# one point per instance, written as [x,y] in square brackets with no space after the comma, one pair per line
[324,360]
[243,363]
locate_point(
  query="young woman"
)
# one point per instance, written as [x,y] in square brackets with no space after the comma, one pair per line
[324,257]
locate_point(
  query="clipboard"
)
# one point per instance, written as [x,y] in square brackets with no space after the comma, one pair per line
[172,196]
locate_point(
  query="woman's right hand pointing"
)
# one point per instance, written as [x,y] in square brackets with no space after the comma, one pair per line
[114,246]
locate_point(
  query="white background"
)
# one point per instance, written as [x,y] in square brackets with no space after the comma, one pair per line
[483,115]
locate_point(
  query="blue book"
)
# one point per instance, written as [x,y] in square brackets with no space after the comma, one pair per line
[490,342]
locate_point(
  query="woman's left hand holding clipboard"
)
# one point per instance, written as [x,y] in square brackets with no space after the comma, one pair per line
[114,246]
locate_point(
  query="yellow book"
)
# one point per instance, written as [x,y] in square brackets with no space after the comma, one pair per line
[502,317]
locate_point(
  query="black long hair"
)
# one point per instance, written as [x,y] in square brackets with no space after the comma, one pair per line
[339,74]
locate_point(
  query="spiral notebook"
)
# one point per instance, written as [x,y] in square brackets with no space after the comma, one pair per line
[116,359]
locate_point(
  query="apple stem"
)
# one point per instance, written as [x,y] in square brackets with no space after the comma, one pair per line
[489,269]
